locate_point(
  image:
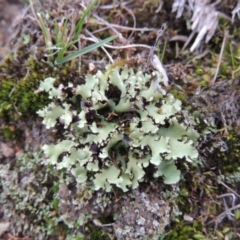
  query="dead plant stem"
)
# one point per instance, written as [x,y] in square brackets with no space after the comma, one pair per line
[226,33]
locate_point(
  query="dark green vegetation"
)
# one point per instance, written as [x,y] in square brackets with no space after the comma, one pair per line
[20,77]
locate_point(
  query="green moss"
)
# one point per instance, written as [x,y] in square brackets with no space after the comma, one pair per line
[182,231]
[232,156]
[95,233]
[179,94]
[20,78]
[9,132]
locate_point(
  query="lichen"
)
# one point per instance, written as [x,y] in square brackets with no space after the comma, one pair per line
[144,215]
[28,194]
[124,126]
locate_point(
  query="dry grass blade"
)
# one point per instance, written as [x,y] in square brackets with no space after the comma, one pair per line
[178,6]
[236,11]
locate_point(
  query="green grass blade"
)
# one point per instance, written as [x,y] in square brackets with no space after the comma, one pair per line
[85,50]
[81,21]
[60,56]
[69,45]
[62,40]
[56,31]
[45,30]
[63,32]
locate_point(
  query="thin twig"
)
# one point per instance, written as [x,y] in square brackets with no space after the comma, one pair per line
[109,25]
[134,20]
[228,195]
[103,48]
[222,215]
[103,22]
[118,47]
[229,214]
[110,6]
[33,11]
[188,40]
[219,181]
[180,38]
[226,33]
[199,56]
[159,7]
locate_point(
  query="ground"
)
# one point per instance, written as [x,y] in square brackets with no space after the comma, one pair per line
[38,201]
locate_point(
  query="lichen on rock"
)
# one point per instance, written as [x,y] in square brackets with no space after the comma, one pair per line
[28,196]
[144,215]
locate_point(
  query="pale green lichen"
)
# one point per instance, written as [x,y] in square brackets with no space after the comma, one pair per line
[28,196]
[144,215]
[115,128]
